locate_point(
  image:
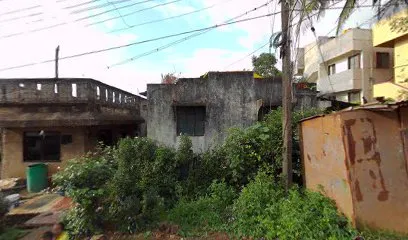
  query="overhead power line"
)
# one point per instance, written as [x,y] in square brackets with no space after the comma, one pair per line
[20,10]
[136,43]
[132,13]
[164,19]
[248,55]
[174,43]
[84,18]
[229,21]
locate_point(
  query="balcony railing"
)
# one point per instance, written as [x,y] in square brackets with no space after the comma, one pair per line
[65,91]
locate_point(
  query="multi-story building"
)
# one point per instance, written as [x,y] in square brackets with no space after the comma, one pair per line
[346,67]
[391,33]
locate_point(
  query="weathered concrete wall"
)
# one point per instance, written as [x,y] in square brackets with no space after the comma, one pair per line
[231,99]
[65,102]
[369,147]
[12,155]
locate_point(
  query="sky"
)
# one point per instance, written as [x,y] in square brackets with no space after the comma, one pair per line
[30,31]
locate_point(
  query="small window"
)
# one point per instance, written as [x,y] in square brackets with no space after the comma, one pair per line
[332,69]
[383,60]
[66,139]
[42,146]
[354,97]
[74,90]
[190,121]
[39,86]
[113,96]
[106,95]
[98,93]
[21,85]
[56,88]
[354,62]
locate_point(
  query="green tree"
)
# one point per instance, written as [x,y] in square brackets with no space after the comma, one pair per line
[264,65]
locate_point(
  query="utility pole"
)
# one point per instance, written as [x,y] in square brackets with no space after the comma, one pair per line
[56,61]
[287,95]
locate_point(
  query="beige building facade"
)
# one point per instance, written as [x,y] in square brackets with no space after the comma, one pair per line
[346,67]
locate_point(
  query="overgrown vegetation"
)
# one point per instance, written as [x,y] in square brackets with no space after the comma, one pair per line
[234,188]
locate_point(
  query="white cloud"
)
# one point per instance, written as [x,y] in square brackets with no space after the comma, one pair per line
[74,38]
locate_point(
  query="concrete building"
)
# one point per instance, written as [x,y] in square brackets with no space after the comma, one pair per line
[359,158]
[54,120]
[384,35]
[346,67]
[310,55]
[206,107]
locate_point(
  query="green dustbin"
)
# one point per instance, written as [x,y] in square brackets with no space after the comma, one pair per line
[37,177]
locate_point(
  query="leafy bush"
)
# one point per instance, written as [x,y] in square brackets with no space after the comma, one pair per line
[133,191]
[207,213]
[260,147]
[85,181]
[310,215]
[264,210]
[4,205]
[256,210]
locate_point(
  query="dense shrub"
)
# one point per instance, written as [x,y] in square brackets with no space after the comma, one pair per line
[264,210]
[310,215]
[207,213]
[138,183]
[134,192]
[85,181]
[4,205]
[260,146]
[250,212]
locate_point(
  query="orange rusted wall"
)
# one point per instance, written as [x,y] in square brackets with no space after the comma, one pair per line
[378,170]
[324,160]
[365,148]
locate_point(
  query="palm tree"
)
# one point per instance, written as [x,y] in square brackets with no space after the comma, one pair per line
[316,8]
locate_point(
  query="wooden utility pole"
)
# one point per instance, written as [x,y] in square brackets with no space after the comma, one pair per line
[56,61]
[287,95]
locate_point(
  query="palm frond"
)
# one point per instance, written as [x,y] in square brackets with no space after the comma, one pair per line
[345,13]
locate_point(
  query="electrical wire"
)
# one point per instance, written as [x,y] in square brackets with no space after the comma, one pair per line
[136,43]
[164,19]
[168,45]
[132,13]
[79,19]
[228,22]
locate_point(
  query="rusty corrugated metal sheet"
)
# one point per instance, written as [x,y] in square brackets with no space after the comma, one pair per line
[359,157]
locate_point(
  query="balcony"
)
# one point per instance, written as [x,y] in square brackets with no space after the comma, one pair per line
[339,82]
[65,102]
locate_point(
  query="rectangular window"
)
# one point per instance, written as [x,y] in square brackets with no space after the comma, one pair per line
[190,120]
[354,97]
[42,146]
[332,69]
[354,62]
[383,60]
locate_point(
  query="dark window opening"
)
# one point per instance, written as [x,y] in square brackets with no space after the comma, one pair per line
[190,121]
[383,60]
[354,62]
[265,110]
[332,69]
[42,146]
[66,139]
[105,136]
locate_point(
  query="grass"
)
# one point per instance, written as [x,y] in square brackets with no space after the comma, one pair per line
[12,234]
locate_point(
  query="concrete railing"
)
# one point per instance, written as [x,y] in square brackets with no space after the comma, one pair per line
[68,90]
